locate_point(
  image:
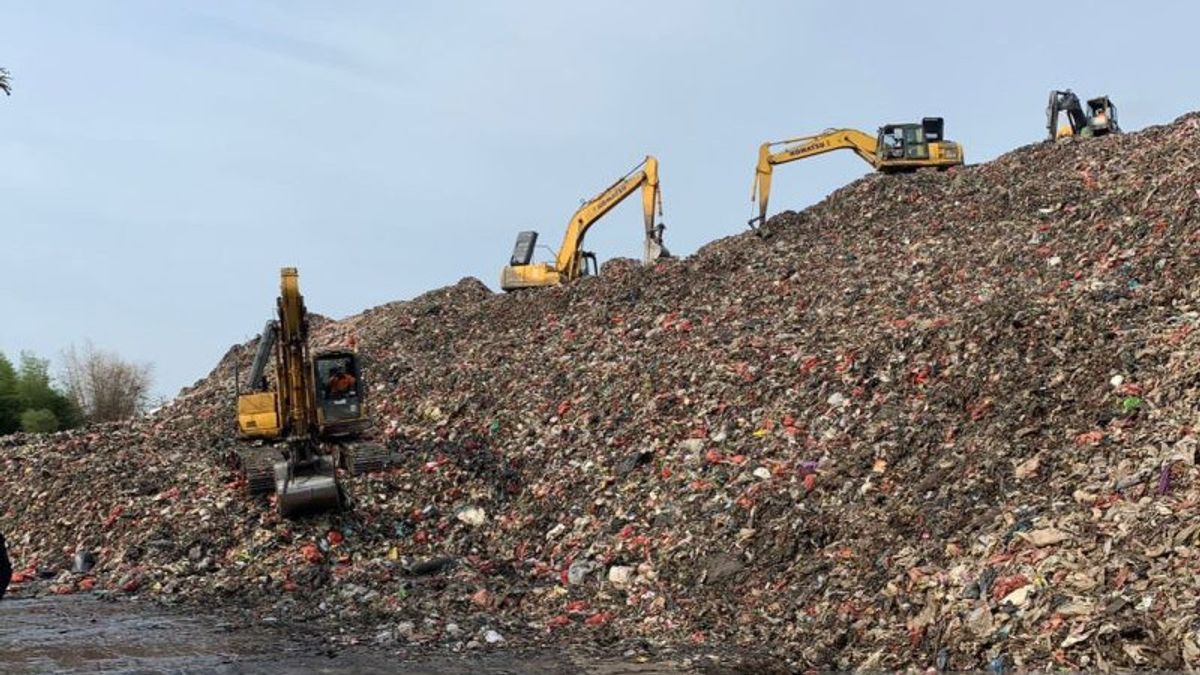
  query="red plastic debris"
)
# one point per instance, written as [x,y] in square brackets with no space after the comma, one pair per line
[598,619]
[113,515]
[311,553]
[1005,585]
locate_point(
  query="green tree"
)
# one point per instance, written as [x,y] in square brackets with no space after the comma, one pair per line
[33,381]
[28,389]
[35,392]
[40,421]
[10,404]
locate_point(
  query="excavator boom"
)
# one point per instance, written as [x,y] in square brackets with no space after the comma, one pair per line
[1068,103]
[799,148]
[569,263]
[644,176]
[295,381]
[896,148]
[306,480]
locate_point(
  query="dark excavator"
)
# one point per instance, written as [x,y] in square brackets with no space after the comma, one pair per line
[1099,120]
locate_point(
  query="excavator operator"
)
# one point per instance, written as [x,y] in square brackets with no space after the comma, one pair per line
[340,383]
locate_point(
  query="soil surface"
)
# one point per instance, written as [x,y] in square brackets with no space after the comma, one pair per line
[83,633]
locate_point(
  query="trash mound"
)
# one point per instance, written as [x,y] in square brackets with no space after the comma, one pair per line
[937,420]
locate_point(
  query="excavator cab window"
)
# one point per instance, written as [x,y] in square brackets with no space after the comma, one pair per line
[590,266]
[903,141]
[1102,114]
[891,139]
[339,386]
[915,146]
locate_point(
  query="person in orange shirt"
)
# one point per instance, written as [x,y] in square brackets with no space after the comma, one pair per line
[340,383]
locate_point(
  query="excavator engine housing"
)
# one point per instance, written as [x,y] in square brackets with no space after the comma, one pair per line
[258,415]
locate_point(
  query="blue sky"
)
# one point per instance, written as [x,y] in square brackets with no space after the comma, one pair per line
[159,161]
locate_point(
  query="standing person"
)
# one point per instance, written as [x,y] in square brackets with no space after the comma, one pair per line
[5,568]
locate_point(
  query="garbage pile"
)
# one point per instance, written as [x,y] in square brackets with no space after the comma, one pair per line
[937,420]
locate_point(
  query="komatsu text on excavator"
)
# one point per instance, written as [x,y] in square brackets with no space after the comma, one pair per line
[1099,120]
[572,261]
[316,402]
[895,148]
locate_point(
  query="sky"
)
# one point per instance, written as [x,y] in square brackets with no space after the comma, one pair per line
[160,161]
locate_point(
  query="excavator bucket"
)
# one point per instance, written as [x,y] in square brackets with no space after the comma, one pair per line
[307,488]
[653,251]
[654,248]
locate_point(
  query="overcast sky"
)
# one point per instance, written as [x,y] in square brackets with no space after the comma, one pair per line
[159,161]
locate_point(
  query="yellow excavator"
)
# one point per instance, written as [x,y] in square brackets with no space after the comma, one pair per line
[1099,120]
[316,402]
[572,261]
[895,148]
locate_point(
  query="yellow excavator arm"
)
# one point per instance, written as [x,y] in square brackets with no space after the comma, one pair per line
[294,376]
[895,148]
[569,263]
[793,149]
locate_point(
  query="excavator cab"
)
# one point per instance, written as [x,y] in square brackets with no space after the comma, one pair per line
[1102,116]
[905,141]
[340,397]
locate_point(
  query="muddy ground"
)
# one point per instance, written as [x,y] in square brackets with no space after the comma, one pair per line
[89,634]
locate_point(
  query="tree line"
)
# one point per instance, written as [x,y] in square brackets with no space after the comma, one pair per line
[94,386]
[29,401]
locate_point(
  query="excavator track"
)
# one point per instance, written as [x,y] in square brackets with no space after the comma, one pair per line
[257,467]
[362,458]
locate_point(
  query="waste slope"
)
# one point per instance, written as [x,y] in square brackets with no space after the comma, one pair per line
[937,420]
